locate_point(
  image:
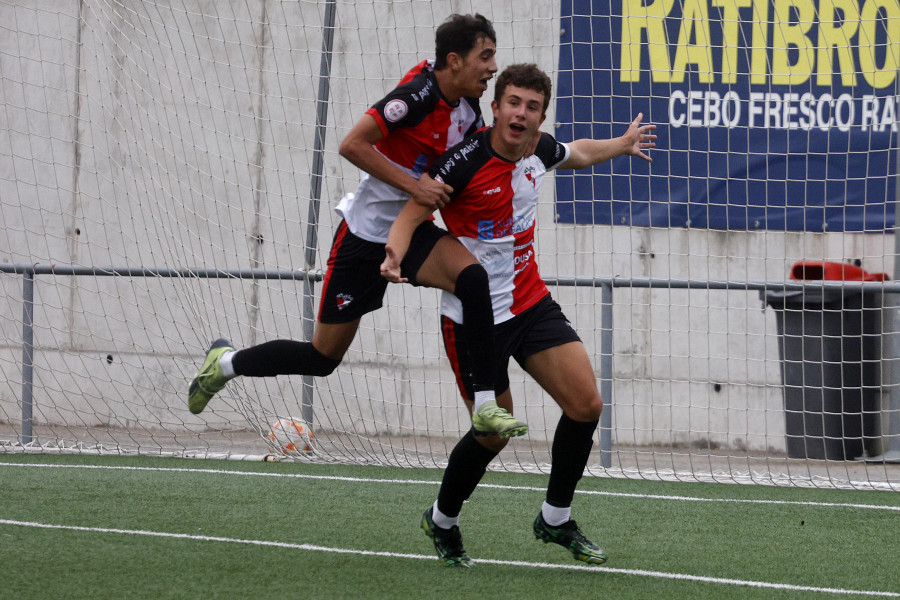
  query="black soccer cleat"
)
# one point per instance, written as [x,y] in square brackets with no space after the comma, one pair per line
[569,536]
[447,542]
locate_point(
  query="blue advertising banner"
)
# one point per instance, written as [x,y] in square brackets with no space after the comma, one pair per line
[771,114]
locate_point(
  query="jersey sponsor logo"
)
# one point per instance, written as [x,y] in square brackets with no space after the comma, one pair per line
[395,110]
[467,149]
[449,162]
[522,223]
[343,300]
[424,92]
[490,230]
[485,230]
[496,190]
[524,258]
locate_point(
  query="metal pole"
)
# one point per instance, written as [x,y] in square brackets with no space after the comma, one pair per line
[606,373]
[891,450]
[27,357]
[315,195]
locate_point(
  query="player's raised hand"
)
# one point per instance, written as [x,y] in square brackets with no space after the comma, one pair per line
[640,138]
[430,193]
[390,268]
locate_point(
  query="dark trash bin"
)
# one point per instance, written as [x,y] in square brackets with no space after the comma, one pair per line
[830,346]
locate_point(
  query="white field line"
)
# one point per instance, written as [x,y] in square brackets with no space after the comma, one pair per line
[507,563]
[482,485]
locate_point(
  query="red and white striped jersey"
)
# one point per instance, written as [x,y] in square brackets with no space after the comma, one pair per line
[418,125]
[493,210]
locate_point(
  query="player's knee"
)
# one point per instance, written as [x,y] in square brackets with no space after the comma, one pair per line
[586,411]
[472,284]
[320,365]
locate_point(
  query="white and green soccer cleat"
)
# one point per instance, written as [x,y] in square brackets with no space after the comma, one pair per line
[490,418]
[210,379]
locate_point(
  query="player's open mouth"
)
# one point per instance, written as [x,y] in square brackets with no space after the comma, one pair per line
[517,128]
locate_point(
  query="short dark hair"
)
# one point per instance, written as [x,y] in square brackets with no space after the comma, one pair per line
[458,34]
[526,76]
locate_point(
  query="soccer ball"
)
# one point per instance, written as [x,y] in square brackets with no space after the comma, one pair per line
[291,435]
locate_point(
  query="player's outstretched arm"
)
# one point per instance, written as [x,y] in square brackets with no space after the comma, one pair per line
[586,152]
[412,215]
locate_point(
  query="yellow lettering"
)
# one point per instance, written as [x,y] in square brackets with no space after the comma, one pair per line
[730,21]
[694,23]
[875,15]
[787,35]
[848,40]
[636,18]
[837,39]
[759,56]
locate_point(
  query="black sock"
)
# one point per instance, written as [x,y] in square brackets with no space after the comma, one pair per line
[282,357]
[571,449]
[474,292]
[466,467]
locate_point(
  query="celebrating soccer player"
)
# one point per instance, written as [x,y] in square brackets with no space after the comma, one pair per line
[492,210]
[434,107]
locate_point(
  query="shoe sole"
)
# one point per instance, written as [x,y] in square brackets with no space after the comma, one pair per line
[509,433]
[590,559]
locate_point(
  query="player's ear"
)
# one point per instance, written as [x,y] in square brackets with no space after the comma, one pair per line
[454,61]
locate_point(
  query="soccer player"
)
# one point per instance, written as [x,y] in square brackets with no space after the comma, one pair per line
[433,108]
[492,211]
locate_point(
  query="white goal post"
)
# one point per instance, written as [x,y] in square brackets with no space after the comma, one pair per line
[168,172]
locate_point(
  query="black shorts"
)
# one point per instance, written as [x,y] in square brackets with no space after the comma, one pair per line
[353,285]
[540,327]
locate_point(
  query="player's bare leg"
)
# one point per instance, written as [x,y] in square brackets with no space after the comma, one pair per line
[334,339]
[565,372]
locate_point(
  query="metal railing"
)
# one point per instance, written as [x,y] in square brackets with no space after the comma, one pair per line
[29,271]
[309,276]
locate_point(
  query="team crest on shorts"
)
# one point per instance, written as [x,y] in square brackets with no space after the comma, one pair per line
[343,300]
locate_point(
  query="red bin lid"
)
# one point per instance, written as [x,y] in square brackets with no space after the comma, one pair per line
[832,271]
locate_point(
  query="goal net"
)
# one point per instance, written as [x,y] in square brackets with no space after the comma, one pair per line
[168,173]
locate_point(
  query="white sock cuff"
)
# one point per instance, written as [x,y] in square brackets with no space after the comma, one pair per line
[225,363]
[482,397]
[442,520]
[554,515]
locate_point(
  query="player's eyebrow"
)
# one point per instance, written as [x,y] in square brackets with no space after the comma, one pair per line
[530,102]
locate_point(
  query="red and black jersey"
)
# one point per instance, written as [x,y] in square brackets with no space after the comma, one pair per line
[493,212]
[418,125]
